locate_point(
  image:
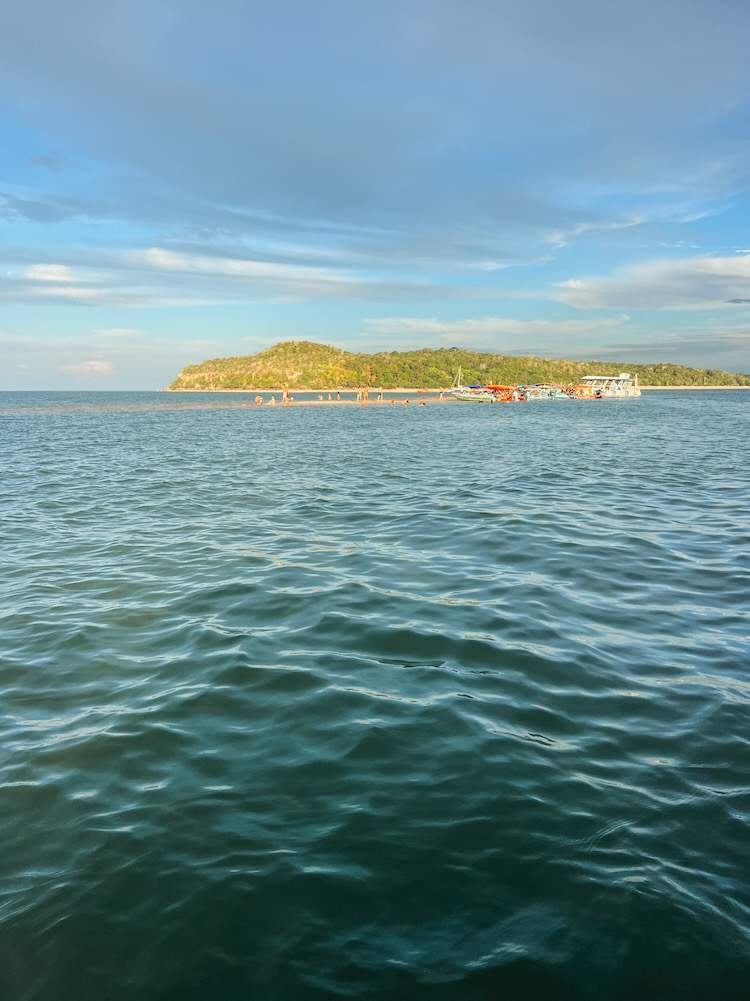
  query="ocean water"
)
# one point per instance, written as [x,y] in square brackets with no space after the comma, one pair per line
[444,702]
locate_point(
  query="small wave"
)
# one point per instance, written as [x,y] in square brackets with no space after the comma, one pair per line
[370,706]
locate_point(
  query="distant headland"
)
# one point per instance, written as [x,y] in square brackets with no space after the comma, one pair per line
[306,365]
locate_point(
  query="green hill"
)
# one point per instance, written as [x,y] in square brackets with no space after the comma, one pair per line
[306,365]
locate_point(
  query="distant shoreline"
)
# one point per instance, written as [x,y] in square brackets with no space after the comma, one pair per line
[410,389]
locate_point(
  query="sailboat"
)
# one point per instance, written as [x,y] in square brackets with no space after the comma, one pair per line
[470,394]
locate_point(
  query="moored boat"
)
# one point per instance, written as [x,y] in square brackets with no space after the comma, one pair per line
[473,394]
[591,387]
[544,391]
[488,394]
[614,387]
[477,393]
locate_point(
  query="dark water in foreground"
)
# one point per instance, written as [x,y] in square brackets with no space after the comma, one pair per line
[430,702]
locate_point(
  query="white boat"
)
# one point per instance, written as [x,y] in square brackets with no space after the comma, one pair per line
[614,387]
[483,394]
[541,391]
[469,394]
[473,394]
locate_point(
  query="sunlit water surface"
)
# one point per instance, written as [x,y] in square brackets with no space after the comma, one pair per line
[444,702]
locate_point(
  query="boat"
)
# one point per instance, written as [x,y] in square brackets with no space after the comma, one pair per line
[507,394]
[483,393]
[591,387]
[611,387]
[544,391]
[579,391]
[468,394]
[474,394]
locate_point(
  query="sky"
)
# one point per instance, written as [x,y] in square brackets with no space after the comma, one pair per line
[183,180]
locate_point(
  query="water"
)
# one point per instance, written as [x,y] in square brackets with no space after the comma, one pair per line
[402,702]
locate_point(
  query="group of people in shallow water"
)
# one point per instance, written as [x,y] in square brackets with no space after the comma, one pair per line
[286,397]
[361,396]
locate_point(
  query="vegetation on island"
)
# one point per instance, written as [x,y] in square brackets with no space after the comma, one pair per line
[307,365]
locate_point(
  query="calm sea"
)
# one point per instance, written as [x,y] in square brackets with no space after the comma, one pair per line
[446,703]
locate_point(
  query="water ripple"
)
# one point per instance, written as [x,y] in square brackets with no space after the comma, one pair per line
[431,703]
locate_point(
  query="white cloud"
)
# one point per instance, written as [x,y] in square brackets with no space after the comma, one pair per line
[49,273]
[562,237]
[160,259]
[95,368]
[71,293]
[117,332]
[690,283]
[491,264]
[161,277]
[681,245]
[485,325]
[256,279]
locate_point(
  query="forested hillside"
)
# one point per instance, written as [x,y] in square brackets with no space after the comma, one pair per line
[306,365]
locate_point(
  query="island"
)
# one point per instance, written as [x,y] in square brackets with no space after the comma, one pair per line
[306,365]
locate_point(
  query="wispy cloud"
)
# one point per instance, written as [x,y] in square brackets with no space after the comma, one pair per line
[73,293]
[562,237]
[681,245]
[164,277]
[485,325]
[692,283]
[49,273]
[160,259]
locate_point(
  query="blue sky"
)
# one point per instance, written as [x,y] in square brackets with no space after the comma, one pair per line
[182,180]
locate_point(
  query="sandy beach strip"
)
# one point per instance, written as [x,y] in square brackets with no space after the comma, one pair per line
[421,394]
[410,401]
